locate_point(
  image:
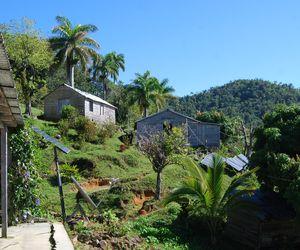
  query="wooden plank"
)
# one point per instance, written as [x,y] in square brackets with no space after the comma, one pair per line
[9,92]
[6,117]
[4,158]
[11,124]
[15,110]
[4,63]
[6,79]
[13,102]
[5,110]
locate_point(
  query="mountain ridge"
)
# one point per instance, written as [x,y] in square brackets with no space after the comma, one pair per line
[248,98]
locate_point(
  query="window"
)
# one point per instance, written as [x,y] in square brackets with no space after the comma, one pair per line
[91,106]
[101,109]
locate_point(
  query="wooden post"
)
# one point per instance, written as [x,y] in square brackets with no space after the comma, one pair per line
[4,161]
[83,193]
[61,194]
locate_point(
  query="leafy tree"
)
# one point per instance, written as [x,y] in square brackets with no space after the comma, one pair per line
[277,148]
[72,45]
[211,194]
[106,67]
[30,56]
[160,148]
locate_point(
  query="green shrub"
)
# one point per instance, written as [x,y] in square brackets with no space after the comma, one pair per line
[69,112]
[63,127]
[67,170]
[106,131]
[157,227]
[86,129]
[110,217]
[130,160]
[110,129]
[81,228]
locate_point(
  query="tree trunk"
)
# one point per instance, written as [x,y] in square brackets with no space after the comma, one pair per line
[158,186]
[70,74]
[26,92]
[105,89]
[212,225]
[145,111]
[28,107]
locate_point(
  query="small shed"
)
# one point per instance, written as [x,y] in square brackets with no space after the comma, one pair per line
[271,223]
[88,105]
[198,133]
[10,116]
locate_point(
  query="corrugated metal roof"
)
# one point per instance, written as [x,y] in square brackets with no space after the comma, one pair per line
[9,104]
[238,162]
[177,113]
[85,94]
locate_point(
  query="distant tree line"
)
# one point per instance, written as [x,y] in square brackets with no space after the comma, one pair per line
[248,99]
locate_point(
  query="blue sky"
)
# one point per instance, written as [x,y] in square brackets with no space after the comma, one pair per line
[195,44]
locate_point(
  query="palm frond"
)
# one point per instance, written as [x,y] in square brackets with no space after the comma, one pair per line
[63,21]
[90,42]
[86,28]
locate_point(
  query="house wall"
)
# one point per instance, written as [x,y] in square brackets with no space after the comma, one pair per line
[101,113]
[51,111]
[197,133]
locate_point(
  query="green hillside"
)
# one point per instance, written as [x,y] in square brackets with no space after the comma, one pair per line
[101,162]
[250,99]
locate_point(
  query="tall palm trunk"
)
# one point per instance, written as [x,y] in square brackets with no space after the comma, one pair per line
[70,73]
[158,186]
[105,89]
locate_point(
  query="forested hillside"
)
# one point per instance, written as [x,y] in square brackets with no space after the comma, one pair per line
[249,99]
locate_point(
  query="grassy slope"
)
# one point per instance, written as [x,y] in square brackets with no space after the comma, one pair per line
[131,165]
[109,162]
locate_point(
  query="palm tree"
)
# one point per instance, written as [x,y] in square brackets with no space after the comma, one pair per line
[72,45]
[163,93]
[143,90]
[211,192]
[106,67]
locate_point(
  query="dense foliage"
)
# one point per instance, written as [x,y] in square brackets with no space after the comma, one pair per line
[249,99]
[30,58]
[86,129]
[211,194]
[277,149]
[107,67]
[23,178]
